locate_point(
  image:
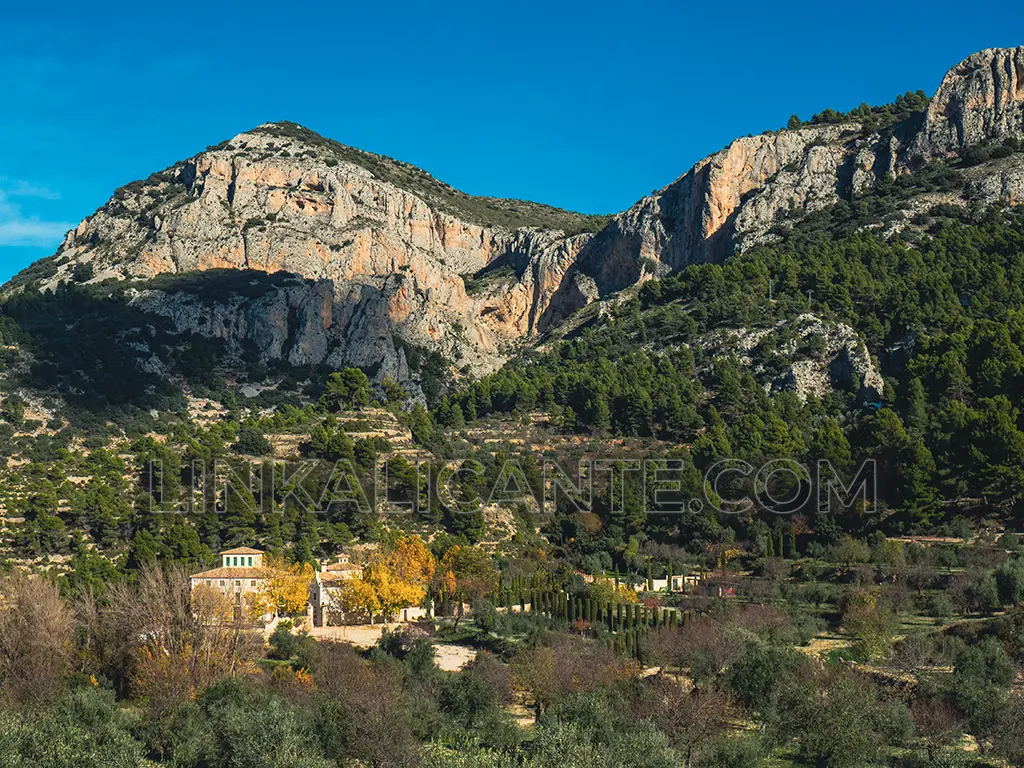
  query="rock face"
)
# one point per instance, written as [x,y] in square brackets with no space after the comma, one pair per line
[385,261]
[821,356]
[980,99]
[293,322]
[396,257]
[727,200]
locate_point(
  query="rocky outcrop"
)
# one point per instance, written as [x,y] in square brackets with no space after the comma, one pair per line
[293,321]
[817,357]
[980,99]
[728,200]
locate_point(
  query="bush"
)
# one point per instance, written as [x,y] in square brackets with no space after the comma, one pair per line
[282,641]
[87,730]
[251,442]
[1010,581]
[245,725]
[975,155]
[734,752]
[940,606]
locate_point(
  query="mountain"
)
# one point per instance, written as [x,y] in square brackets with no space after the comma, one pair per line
[390,262]
[388,252]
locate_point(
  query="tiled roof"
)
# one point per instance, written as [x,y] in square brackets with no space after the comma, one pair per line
[242,551]
[230,573]
[327,576]
[342,567]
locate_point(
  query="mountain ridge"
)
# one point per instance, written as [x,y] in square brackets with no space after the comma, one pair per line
[394,256]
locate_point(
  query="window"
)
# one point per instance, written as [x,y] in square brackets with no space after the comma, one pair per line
[223,583]
[227,561]
[250,561]
[236,561]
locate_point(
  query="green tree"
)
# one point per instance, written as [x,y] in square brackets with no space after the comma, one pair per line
[347,389]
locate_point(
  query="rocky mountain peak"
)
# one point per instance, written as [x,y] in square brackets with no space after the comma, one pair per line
[407,258]
[980,99]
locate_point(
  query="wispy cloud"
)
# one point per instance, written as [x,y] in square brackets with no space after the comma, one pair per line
[18,228]
[21,188]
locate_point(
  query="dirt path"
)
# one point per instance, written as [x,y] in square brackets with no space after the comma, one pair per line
[450,658]
[361,636]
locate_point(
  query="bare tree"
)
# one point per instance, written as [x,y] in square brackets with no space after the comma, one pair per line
[367,705]
[937,721]
[165,643]
[565,665]
[692,718]
[487,668]
[1009,735]
[702,645]
[36,630]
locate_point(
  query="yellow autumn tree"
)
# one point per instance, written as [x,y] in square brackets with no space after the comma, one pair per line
[465,574]
[358,597]
[395,578]
[411,561]
[607,591]
[284,589]
[392,591]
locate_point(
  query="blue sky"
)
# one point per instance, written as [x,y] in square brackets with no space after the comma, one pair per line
[584,105]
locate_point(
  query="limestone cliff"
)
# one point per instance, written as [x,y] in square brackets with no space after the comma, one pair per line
[385,261]
[980,99]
